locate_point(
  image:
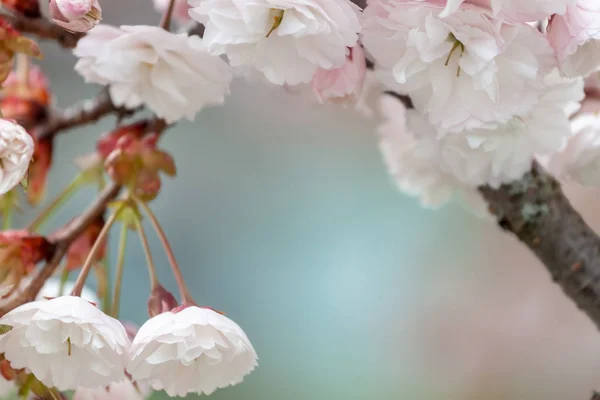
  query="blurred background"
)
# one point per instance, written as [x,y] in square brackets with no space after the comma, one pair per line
[283,216]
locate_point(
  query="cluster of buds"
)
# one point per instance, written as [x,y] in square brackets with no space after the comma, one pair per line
[76,15]
[132,159]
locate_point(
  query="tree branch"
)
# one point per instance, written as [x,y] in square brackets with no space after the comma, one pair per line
[80,114]
[62,241]
[42,28]
[535,209]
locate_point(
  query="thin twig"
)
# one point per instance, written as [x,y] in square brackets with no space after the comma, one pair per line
[80,114]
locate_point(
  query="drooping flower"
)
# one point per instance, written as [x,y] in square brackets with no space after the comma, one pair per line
[465,71]
[194,350]
[575,37]
[16,150]
[344,84]
[285,39]
[414,164]
[66,342]
[76,15]
[172,74]
[180,10]
[514,10]
[52,288]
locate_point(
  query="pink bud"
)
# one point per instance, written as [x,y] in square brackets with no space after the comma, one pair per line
[160,301]
[76,15]
[344,84]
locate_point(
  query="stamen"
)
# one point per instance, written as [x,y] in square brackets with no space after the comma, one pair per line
[456,45]
[69,346]
[277,18]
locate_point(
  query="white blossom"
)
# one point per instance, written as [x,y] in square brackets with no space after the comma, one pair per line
[580,160]
[465,71]
[192,350]
[515,10]
[172,74]
[16,150]
[66,343]
[285,39]
[496,156]
[414,164]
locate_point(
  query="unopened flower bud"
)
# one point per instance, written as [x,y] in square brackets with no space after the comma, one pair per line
[76,15]
[160,301]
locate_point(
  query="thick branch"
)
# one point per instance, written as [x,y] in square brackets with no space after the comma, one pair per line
[43,29]
[80,114]
[62,242]
[536,210]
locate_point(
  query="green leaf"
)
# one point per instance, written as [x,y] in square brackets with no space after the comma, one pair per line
[5,329]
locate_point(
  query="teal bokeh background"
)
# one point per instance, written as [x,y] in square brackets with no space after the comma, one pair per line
[283,216]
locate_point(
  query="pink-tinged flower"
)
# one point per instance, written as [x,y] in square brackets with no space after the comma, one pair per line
[344,84]
[76,15]
[464,71]
[511,10]
[66,342]
[287,40]
[180,10]
[193,350]
[575,37]
[172,74]
[16,150]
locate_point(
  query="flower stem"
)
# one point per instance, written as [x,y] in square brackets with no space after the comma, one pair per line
[59,201]
[26,387]
[7,215]
[149,260]
[63,281]
[165,22]
[23,69]
[89,262]
[120,267]
[186,297]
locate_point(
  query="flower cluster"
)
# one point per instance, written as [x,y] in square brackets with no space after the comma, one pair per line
[67,343]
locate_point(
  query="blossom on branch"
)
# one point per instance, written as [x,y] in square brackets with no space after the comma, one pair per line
[513,10]
[124,390]
[287,40]
[464,71]
[575,37]
[172,74]
[194,350]
[66,342]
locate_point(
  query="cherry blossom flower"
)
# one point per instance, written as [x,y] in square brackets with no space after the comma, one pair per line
[514,10]
[66,342]
[580,160]
[575,37]
[76,15]
[180,10]
[285,39]
[414,164]
[344,84]
[464,71]
[194,350]
[172,74]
